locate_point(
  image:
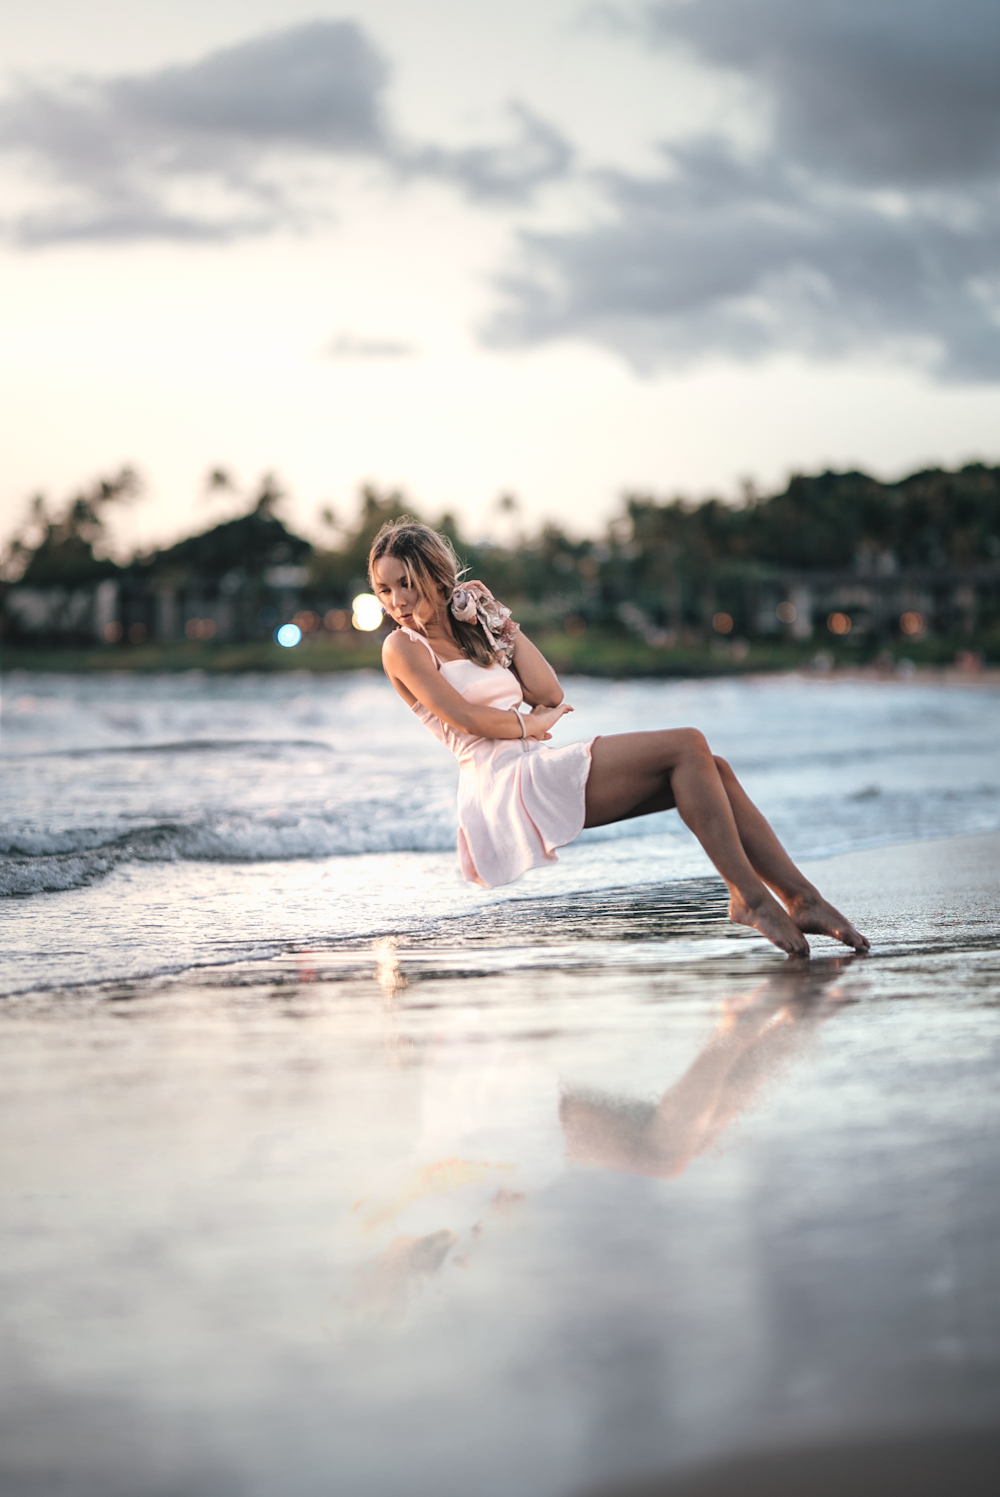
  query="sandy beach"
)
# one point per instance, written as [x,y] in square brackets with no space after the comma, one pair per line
[597,1191]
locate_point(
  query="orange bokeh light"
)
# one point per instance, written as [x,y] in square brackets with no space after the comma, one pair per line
[722,623]
[199,628]
[839,623]
[912,623]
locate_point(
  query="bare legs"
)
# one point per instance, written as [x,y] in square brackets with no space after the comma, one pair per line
[811,912]
[759,1035]
[634,774]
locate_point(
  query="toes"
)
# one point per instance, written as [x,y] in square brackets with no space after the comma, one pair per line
[825,921]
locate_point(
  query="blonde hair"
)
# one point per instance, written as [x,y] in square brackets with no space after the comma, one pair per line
[432,569]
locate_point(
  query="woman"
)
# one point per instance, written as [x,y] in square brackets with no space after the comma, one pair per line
[463,666]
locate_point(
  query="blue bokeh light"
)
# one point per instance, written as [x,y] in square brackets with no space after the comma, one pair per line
[288,635]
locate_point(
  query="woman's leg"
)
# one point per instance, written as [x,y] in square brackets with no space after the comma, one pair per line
[758,1036]
[633,774]
[806,905]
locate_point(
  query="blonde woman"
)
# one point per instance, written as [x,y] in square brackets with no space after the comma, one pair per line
[463,666]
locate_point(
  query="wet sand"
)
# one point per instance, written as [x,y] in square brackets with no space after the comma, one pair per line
[586,1194]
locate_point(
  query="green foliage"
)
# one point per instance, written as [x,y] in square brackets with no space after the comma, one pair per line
[682,560]
[241,547]
[57,549]
[832,522]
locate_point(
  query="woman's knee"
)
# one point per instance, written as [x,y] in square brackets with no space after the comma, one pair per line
[724,767]
[693,743]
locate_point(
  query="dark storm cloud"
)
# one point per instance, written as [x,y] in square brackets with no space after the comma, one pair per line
[870,221]
[902,91]
[130,157]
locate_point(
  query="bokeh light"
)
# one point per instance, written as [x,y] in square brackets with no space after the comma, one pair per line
[288,636]
[199,628]
[839,623]
[113,633]
[367,613]
[722,623]
[336,619]
[787,613]
[913,622]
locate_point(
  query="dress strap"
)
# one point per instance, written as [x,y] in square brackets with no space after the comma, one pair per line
[414,634]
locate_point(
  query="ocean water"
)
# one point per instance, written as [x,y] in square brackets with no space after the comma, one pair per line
[156,823]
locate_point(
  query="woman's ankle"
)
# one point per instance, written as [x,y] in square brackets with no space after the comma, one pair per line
[801,895]
[751,896]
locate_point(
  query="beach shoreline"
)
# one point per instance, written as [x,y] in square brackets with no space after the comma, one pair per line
[627,659]
[953,881]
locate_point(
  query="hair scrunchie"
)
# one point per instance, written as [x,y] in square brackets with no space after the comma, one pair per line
[473,603]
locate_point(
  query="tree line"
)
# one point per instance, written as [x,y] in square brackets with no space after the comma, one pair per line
[675,558]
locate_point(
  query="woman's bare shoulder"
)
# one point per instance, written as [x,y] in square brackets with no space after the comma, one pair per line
[400,646]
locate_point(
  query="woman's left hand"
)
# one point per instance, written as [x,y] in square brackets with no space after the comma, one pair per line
[540,719]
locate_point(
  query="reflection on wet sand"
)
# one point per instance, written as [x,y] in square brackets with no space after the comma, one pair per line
[191,1305]
[757,1037]
[391,981]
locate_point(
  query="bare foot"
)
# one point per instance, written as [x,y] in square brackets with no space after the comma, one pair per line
[812,914]
[770,919]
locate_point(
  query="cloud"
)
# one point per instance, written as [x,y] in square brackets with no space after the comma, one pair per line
[868,223]
[130,157]
[900,91]
[353,346]
[536,154]
[316,85]
[218,148]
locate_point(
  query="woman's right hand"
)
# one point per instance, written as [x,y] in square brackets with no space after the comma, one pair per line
[540,719]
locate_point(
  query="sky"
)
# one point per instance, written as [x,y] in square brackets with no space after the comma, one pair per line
[558,249]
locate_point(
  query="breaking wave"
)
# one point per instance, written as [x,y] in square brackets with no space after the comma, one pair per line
[38,860]
[44,862]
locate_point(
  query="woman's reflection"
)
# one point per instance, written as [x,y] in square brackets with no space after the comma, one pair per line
[756,1038]
[459,1200]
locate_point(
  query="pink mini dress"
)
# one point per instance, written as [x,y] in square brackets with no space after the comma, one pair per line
[518,799]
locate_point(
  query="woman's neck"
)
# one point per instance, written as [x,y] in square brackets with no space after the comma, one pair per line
[439,633]
[439,626]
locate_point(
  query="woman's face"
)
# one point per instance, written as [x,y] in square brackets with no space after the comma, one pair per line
[396,593]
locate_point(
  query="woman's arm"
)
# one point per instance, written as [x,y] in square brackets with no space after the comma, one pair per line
[409,666]
[539,681]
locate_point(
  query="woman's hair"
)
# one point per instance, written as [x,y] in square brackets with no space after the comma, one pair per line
[432,568]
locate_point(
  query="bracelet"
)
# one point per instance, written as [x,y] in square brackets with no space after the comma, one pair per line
[520,718]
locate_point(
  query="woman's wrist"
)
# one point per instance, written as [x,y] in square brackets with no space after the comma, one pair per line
[520,722]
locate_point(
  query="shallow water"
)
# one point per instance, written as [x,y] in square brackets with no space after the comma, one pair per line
[148,824]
